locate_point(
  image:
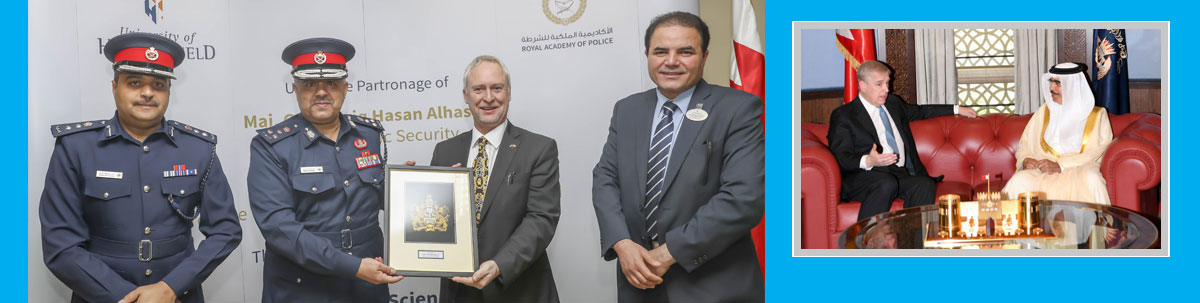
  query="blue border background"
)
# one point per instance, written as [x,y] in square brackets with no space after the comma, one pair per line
[792,279]
[14,221]
[817,279]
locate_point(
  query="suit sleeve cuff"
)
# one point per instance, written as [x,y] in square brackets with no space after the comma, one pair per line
[506,263]
[347,266]
[178,283]
[608,252]
[689,257]
[507,272]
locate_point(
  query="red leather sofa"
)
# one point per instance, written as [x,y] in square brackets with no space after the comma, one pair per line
[964,150]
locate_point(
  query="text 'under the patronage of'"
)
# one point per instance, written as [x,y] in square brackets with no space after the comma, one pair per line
[254,121]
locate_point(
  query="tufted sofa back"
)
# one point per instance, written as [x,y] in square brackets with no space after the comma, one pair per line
[964,150]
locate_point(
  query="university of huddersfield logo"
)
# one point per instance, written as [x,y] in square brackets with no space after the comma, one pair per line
[563,11]
[154,9]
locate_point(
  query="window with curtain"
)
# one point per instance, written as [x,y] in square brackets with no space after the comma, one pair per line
[984,60]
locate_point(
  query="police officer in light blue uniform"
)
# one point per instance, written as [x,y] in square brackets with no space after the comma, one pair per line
[122,194]
[316,188]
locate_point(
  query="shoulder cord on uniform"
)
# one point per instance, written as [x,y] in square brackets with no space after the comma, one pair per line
[383,149]
[384,171]
[203,180]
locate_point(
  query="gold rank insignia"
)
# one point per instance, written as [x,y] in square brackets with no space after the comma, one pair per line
[429,216]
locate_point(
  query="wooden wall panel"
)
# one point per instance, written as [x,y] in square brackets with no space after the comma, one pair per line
[1072,46]
[1145,97]
[900,50]
[815,107]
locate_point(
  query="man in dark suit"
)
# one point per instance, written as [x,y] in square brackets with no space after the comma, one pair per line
[874,146]
[676,198]
[516,194]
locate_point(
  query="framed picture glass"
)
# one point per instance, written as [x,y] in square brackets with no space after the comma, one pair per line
[430,221]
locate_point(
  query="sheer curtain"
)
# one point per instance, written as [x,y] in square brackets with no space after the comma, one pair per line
[937,80]
[1036,51]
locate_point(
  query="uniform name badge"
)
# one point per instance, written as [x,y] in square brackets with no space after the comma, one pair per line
[696,114]
[109,174]
[312,169]
[367,160]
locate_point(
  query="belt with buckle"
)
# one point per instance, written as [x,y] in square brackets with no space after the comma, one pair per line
[345,238]
[144,250]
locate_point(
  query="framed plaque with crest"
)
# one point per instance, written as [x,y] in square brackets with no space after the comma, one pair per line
[430,221]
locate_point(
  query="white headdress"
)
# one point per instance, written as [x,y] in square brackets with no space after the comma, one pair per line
[1067,120]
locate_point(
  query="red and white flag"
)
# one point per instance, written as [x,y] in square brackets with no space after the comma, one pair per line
[747,70]
[857,46]
[747,73]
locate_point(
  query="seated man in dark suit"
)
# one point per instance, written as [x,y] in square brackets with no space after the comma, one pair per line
[874,146]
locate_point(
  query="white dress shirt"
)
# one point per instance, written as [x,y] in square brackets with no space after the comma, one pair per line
[873,111]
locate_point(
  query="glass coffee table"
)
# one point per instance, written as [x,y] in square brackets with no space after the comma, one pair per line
[1063,225]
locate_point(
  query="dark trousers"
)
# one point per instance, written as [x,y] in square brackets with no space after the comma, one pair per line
[453,292]
[876,188]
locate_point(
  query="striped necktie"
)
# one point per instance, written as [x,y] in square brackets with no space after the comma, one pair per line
[660,151]
[480,175]
[887,130]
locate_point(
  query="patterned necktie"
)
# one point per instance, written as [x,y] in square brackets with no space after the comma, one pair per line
[887,130]
[480,175]
[660,150]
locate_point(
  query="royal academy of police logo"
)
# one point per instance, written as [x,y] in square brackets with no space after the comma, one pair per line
[563,11]
[429,216]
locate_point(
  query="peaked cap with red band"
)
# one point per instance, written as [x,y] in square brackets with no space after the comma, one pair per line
[318,58]
[144,53]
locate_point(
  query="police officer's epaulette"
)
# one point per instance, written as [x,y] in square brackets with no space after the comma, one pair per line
[64,129]
[278,132]
[188,129]
[368,122]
